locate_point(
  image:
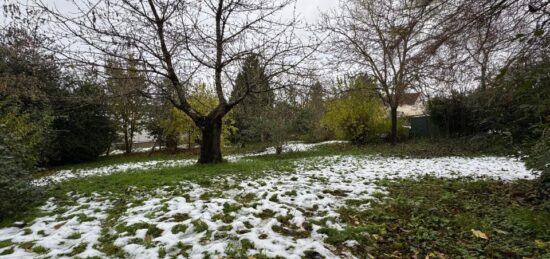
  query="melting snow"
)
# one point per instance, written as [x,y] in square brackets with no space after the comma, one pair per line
[64,175]
[278,214]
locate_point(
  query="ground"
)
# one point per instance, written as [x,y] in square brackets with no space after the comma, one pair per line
[324,200]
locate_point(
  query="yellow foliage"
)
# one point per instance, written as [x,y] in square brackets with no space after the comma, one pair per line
[181,125]
[358,115]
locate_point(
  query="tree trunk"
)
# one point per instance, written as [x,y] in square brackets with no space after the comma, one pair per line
[211,131]
[189,139]
[393,125]
[172,143]
[131,143]
[127,147]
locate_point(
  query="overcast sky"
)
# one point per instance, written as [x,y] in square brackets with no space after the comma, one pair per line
[310,9]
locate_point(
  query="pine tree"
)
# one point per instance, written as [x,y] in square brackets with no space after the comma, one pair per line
[251,116]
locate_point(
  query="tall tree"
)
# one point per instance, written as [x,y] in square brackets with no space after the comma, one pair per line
[250,115]
[391,40]
[180,40]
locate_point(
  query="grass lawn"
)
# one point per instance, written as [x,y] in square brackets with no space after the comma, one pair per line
[418,199]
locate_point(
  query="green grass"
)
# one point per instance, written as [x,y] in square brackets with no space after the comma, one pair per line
[146,180]
[434,216]
[415,148]
[123,159]
[199,226]
[180,228]
[146,156]
[203,173]
[422,148]
[75,235]
[152,230]
[422,217]
[40,250]
[78,250]
[5,243]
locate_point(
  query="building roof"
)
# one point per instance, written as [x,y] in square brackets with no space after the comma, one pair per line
[409,98]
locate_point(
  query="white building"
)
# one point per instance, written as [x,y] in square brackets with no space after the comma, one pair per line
[411,105]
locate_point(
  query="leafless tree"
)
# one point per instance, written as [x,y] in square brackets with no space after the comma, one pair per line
[180,41]
[392,41]
[493,42]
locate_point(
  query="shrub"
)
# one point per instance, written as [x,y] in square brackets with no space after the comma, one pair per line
[453,114]
[358,115]
[539,159]
[83,129]
[21,135]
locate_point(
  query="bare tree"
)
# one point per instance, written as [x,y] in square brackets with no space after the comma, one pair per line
[184,40]
[491,42]
[392,41]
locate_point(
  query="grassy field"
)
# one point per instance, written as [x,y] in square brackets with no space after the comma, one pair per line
[323,200]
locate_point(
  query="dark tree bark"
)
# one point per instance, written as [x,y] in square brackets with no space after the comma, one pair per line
[127,142]
[211,131]
[393,125]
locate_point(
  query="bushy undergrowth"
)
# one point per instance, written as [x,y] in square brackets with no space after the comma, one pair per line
[539,158]
[21,133]
[16,191]
[443,218]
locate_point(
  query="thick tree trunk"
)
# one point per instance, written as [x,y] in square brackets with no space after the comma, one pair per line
[211,131]
[393,125]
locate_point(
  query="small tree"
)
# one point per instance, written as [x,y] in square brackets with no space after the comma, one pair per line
[125,86]
[393,41]
[281,116]
[313,113]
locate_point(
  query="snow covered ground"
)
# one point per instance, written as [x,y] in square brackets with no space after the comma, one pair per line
[64,175]
[279,214]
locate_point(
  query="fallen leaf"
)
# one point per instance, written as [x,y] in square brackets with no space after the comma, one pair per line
[479,234]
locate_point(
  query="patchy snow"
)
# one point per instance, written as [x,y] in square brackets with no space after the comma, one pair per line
[143,150]
[378,167]
[63,229]
[65,175]
[279,214]
[288,147]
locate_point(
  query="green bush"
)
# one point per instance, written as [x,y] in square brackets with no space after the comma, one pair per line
[453,114]
[16,191]
[358,115]
[539,159]
[82,126]
[21,136]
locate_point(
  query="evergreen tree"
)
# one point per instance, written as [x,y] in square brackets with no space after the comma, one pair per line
[82,127]
[251,116]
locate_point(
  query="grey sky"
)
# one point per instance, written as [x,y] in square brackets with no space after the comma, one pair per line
[309,9]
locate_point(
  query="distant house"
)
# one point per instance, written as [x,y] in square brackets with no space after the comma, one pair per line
[411,105]
[143,140]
